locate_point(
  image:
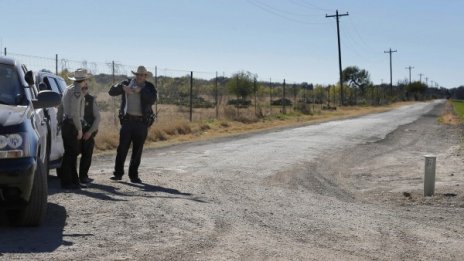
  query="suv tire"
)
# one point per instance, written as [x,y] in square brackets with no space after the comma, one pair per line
[34,212]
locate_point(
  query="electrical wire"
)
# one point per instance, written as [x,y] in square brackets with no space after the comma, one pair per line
[311,6]
[271,10]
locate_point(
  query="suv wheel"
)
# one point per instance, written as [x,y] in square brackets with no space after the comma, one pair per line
[34,213]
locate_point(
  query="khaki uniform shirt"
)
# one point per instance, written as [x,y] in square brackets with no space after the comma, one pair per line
[72,106]
[133,101]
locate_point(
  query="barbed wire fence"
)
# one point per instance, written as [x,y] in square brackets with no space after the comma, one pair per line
[196,95]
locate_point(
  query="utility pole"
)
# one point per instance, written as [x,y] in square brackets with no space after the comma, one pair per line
[420,77]
[409,67]
[391,77]
[339,51]
[427,81]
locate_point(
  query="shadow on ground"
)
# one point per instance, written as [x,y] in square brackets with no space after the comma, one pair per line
[112,193]
[43,239]
[152,188]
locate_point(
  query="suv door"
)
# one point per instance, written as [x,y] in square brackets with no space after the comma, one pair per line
[56,149]
[40,120]
[56,140]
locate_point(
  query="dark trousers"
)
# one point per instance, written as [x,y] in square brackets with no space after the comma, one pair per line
[68,173]
[86,157]
[135,132]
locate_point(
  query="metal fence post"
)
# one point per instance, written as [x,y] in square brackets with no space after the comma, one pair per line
[114,99]
[191,93]
[216,92]
[255,91]
[270,96]
[157,90]
[283,99]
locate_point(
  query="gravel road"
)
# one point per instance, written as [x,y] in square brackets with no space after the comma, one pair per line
[341,190]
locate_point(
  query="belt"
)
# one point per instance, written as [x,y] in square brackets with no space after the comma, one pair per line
[133,117]
[70,121]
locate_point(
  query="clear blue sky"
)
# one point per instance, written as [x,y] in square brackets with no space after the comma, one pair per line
[276,39]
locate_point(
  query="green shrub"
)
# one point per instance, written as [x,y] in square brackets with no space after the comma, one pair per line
[282,101]
[239,103]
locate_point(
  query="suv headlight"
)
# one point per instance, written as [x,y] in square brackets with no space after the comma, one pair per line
[14,146]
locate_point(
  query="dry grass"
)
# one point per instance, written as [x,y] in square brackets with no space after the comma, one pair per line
[449,116]
[108,134]
[173,125]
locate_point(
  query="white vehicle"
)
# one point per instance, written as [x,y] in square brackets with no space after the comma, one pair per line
[49,81]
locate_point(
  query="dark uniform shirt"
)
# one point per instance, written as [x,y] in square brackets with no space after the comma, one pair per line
[91,114]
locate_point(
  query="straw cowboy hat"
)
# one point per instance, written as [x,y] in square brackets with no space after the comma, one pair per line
[79,75]
[141,70]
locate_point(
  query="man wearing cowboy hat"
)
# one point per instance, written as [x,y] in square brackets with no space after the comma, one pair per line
[71,114]
[136,115]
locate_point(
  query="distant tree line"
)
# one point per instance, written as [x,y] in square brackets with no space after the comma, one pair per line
[243,89]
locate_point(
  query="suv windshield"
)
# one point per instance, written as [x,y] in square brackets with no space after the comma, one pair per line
[9,85]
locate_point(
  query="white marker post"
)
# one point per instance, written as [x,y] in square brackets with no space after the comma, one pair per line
[429,177]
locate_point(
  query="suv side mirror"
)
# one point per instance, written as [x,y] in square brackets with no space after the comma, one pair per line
[29,77]
[46,99]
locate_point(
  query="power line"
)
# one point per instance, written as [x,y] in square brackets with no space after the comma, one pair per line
[353,45]
[281,10]
[309,5]
[358,34]
[269,9]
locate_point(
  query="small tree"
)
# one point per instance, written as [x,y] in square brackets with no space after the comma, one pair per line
[416,89]
[241,85]
[356,78]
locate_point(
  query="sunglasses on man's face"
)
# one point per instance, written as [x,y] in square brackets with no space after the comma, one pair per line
[84,88]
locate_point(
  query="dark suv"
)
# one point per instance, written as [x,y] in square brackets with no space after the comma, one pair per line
[23,143]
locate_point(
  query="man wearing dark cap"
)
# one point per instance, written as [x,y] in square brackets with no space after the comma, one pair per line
[136,115]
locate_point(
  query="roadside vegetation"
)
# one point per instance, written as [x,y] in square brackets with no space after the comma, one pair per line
[453,113]
[458,106]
